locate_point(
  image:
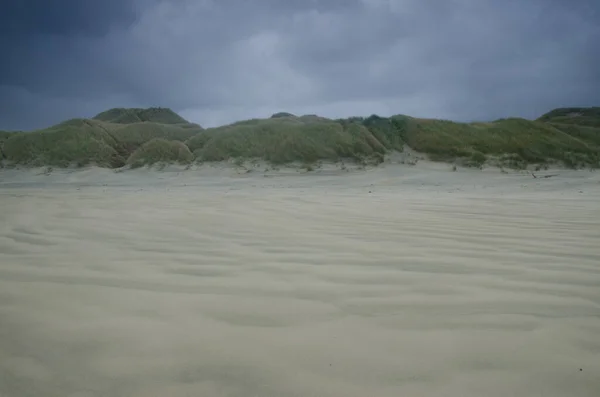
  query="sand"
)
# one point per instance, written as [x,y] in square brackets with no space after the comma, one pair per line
[399,281]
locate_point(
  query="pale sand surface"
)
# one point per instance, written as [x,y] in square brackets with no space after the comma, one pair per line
[206,283]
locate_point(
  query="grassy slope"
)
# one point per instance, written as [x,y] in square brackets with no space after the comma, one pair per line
[132,136]
[580,116]
[75,141]
[4,135]
[137,115]
[286,139]
[527,141]
[112,137]
[82,142]
[160,150]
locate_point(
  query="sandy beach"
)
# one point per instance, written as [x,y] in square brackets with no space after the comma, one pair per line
[397,281]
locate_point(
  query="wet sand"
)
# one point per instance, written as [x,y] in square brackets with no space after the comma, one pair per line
[402,281]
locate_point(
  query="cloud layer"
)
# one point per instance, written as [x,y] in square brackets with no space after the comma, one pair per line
[220,61]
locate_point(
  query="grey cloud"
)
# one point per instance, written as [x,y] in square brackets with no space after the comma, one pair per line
[34,34]
[470,54]
[64,17]
[217,61]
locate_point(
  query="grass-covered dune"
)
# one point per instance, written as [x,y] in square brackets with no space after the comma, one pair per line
[4,135]
[286,139]
[91,141]
[159,150]
[513,142]
[117,137]
[138,115]
[580,116]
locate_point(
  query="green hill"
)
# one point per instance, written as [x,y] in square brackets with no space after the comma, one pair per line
[516,142]
[137,115]
[4,135]
[75,141]
[570,136]
[282,114]
[159,150]
[286,139]
[580,116]
[88,141]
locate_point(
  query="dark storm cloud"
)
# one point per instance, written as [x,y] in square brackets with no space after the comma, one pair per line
[217,61]
[63,17]
[41,41]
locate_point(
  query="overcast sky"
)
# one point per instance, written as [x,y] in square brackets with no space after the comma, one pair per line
[217,61]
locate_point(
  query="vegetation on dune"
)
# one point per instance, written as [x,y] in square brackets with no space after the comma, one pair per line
[137,115]
[388,131]
[132,136]
[160,150]
[81,142]
[580,116]
[281,114]
[146,136]
[587,135]
[286,139]
[77,142]
[4,135]
[517,142]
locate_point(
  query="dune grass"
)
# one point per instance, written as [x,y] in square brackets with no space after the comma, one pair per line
[137,115]
[286,139]
[282,114]
[133,136]
[73,142]
[388,131]
[524,141]
[81,142]
[4,135]
[587,135]
[160,150]
[580,116]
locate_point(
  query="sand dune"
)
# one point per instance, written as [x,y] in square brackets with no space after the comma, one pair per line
[400,281]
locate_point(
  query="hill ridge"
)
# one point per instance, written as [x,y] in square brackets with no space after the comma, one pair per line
[135,115]
[568,136]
